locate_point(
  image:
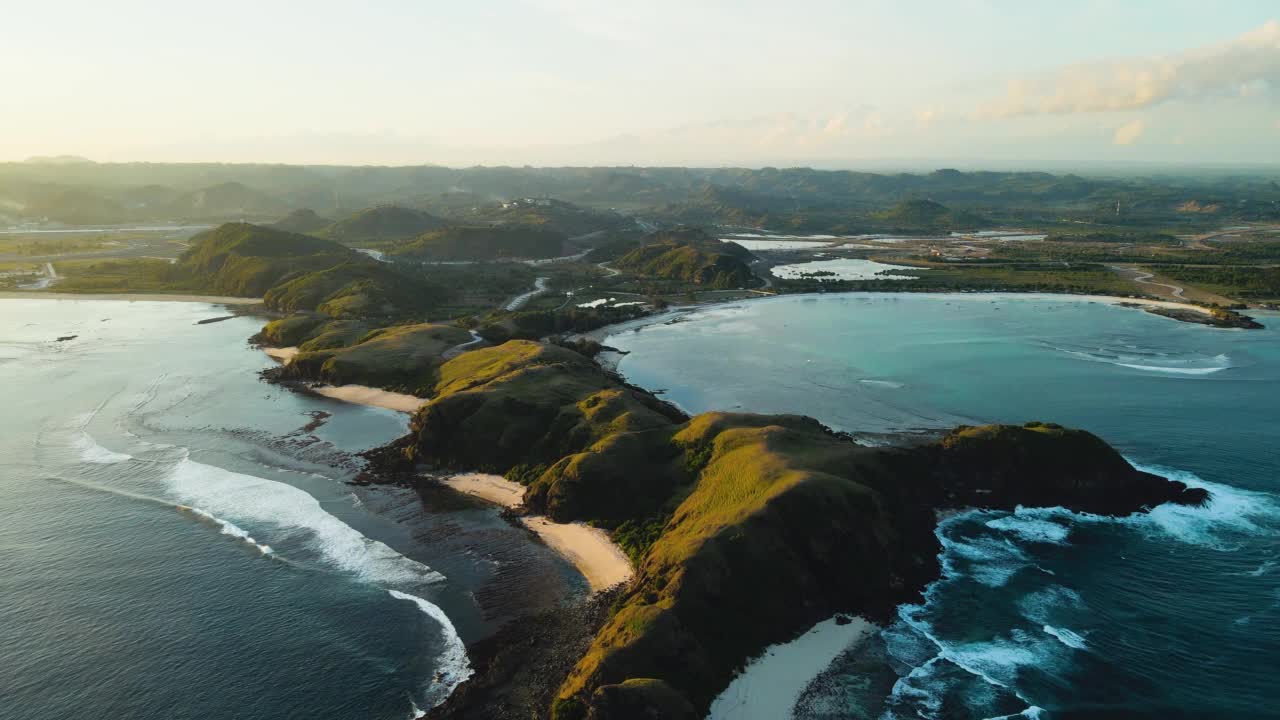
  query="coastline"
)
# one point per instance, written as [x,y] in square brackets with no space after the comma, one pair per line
[131,297]
[673,313]
[355,394]
[589,549]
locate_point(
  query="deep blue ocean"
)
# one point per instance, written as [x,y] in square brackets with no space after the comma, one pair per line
[1039,613]
[177,540]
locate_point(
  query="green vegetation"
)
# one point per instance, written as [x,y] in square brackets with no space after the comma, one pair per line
[247,260]
[556,215]
[402,358]
[1130,238]
[386,222]
[917,215]
[484,243]
[304,220]
[1246,283]
[357,288]
[690,256]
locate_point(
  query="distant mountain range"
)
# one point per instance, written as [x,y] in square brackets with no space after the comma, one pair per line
[73,191]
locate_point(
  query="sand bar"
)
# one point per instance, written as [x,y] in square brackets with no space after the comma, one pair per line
[493,488]
[590,550]
[133,297]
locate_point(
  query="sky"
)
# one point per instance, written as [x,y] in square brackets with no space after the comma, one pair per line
[826,83]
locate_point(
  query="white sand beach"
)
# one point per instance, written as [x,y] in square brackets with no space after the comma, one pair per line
[590,550]
[770,685]
[365,395]
[493,488]
[284,354]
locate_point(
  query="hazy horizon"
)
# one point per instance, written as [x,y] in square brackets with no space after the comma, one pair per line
[566,83]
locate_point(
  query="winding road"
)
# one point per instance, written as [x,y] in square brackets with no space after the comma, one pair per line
[1145,279]
[519,301]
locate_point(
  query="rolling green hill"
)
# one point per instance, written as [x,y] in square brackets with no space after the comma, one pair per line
[247,260]
[386,222]
[929,215]
[356,288]
[485,243]
[303,220]
[691,256]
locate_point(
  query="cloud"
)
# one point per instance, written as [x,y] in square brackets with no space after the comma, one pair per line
[925,119]
[1247,66]
[1129,133]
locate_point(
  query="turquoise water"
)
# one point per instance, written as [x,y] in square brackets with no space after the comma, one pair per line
[176,540]
[1039,613]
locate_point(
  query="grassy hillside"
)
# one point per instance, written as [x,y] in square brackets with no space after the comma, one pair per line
[356,288]
[689,256]
[303,220]
[245,259]
[929,215]
[485,243]
[403,358]
[525,403]
[386,222]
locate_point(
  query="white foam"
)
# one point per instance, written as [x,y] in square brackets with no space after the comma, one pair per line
[257,501]
[230,529]
[92,452]
[1031,529]
[1066,637]
[1229,510]
[994,561]
[1038,606]
[454,667]
[1173,370]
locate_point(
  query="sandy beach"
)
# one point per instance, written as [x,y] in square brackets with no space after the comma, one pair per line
[358,394]
[132,297]
[493,488]
[1167,304]
[364,395]
[284,354]
[771,684]
[590,550]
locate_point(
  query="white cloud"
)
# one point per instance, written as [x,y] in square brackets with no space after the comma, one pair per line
[1249,65]
[926,118]
[1129,133]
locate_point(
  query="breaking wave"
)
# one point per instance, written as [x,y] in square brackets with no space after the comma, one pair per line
[453,661]
[293,512]
[1156,361]
[92,452]
[988,548]
[227,528]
